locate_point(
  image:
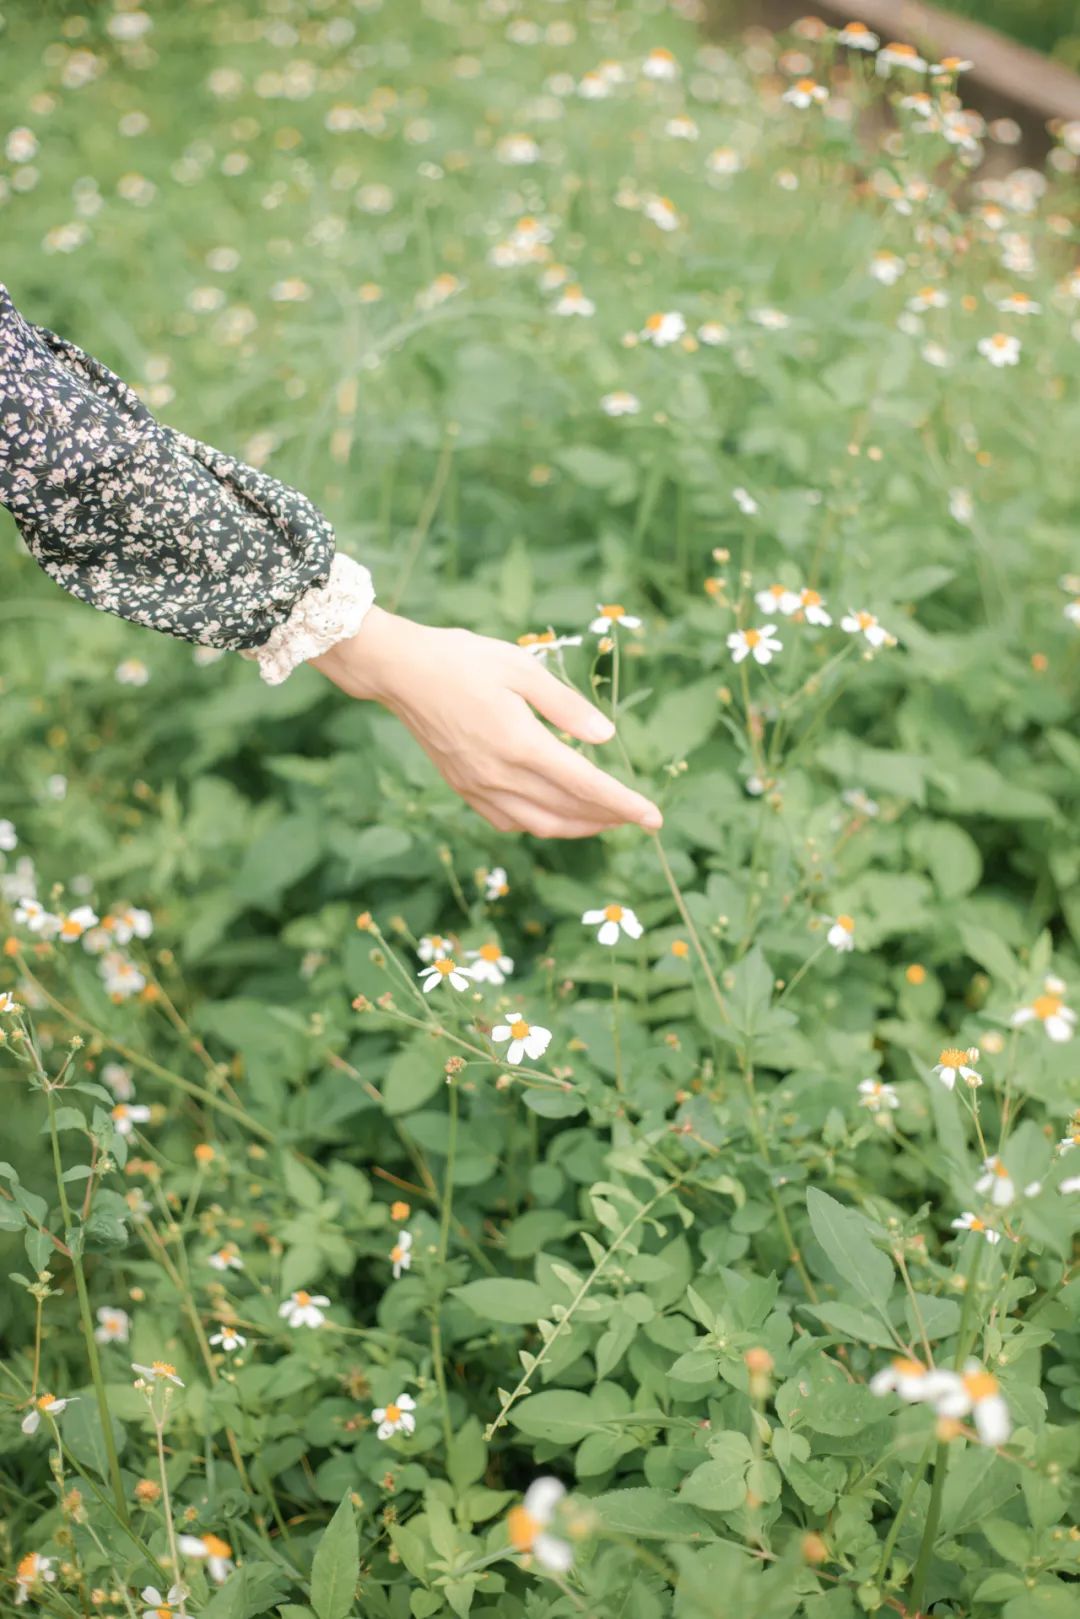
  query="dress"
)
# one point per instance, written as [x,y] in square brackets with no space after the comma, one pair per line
[137,519]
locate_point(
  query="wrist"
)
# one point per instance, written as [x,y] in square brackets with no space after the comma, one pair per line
[364,664]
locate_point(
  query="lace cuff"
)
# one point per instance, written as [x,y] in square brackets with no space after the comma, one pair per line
[321,618]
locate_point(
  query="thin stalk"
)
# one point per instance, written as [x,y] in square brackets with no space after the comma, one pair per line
[902,1511]
[87,1320]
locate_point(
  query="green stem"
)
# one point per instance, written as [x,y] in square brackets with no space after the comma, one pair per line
[902,1511]
[933,1518]
[73,1239]
[448,1178]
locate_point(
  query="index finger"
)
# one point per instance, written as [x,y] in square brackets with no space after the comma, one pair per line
[561,766]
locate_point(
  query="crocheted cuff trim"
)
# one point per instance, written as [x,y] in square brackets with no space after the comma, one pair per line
[320,619]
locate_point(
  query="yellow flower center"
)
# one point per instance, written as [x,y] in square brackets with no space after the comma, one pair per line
[46,1402]
[164,1612]
[1000,340]
[811,598]
[522,1529]
[397,1253]
[393,1413]
[751,637]
[27,1569]
[1045,1006]
[119,1111]
[999,1169]
[977,1224]
[301,1297]
[909,1368]
[613,609]
[980,1385]
[679,947]
[953,1057]
[856,28]
[519,1028]
[847,923]
[807,86]
[865,620]
[216,1547]
[70,929]
[446,966]
[162,1368]
[489,952]
[901,50]
[613,913]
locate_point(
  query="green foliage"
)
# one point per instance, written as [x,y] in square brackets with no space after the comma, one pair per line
[670,1261]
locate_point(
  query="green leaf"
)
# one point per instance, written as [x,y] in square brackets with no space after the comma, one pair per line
[335,1567]
[719,1484]
[467,1457]
[505,1299]
[648,1514]
[415,1074]
[845,1236]
[85,1437]
[249,1591]
[851,1322]
[561,1415]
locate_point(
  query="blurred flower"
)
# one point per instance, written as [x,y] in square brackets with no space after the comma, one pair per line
[661,211]
[46,1405]
[517,150]
[228,1339]
[745,502]
[495,884]
[432,947]
[713,333]
[878,1096]
[21,145]
[660,64]
[1000,349]
[760,644]
[122,978]
[399,1211]
[489,965]
[126,1115]
[777,599]
[949,66]
[397,1417]
[217,1554]
[29,914]
[526,1039]
[574,302]
[928,298]
[438,291]
[76,922]
[955,1062]
[158,1371]
[8,1003]
[841,934]
[1050,1010]
[443,971]
[894,55]
[611,614]
[805,93]
[976,1393]
[681,129]
[971,1222]
[132,672]
[812,607]
[527,1526]
[865,624]
[114,1326]
[774,320]
[664,328]
[613,919]
[162,1607]
[887,267]
[1019,303]
[227,1258]
[302,1309]
[32,1571]
[996,1183]
[127,922]
[723,160]
[8,837]
[620,403]
[401,1253]
[902,1376]
[860,801]
[961,506]
[857,37]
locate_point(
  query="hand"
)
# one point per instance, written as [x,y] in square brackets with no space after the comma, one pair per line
[466,699]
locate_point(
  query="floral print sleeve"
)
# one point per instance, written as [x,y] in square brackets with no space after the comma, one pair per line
[140,520]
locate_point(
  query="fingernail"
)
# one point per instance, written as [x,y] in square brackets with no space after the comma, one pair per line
[652,820]
[599,729]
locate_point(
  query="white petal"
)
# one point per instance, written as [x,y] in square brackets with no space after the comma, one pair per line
[609,933]
[590,917]
[552,1553]
[630,924]
[992,1420]
[500,1032]
[515,1051]
[405,1402]
[542,1497]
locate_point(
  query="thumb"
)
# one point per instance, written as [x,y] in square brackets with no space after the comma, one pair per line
[565,707]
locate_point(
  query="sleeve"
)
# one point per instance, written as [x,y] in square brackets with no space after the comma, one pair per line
[140,520]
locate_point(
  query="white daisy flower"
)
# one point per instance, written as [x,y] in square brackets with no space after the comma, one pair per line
[128,922]
[114,1326]
[518,151]
[723,160]
[902,1376]
[713,333]
[215,1552]
[660,64]
[681,129]
[162,1607]
[610,614]
[547,641]
[8,837]
[158,1371]
[777,599]
[1072,612]
[745,502]
[841,934]
[928,298]
[29,914]
[961,506]
[527,1527]
[975,1393]
[1000,349]
[397,1417]
[32,1571]
[774,320]
[433,947]
[8,1003]
[663,328]
[805,93]
[857,37]
[593,86]
[401,1253]
[227,1258]
[1050,1010]
[760,644]
[661,211]
[613,920]
[955,1063]
[126,1115]
[303,1309]
[949,66]
[996,1183]
[121,977]
[443,971]
[46,1405]
[526,1039]
[489,965]
[496,885]
[132,672]
[1067,1143]
[886,267]
[971,1222]
[894,55]
[228,1339]
[574,302]
[865,624]
[1070,1184]
[620,403]
[878,1096]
